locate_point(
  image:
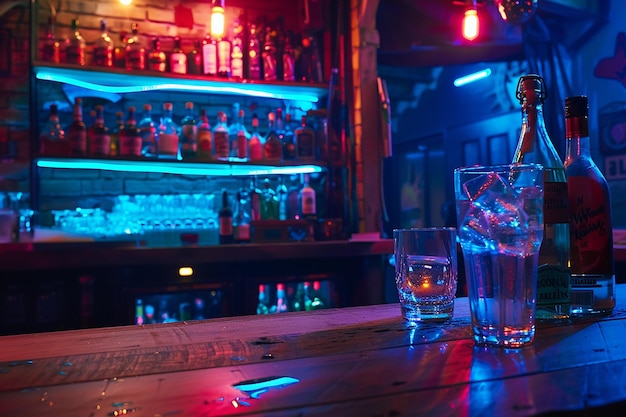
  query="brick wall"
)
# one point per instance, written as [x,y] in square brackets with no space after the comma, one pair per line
[188,19]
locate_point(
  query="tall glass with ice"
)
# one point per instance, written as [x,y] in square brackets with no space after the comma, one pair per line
[500,228]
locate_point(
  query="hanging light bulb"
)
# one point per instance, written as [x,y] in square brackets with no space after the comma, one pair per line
[217,19]
[471,23]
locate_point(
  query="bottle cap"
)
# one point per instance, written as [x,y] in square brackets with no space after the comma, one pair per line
[530,82]
[576,106]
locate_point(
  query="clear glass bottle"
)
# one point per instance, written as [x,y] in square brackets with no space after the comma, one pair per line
[103,50]
[241,221]
[255,146]
[130,141]
[220,138]
[51,48]
[53,141]
[252,70]
[148,132]
[273,147]
[225,217]
[135,52]
[289,145]
[236,53]
[189,133]
[116,132]
[554,296]
[205,137]
[178,59]
[75,49]
[591,231]
[233,128]
[99,135]
[305,142]
[167,137]
[77,131]
[255,201]
[289,60]
[223,57]
[157,59]
[243,136]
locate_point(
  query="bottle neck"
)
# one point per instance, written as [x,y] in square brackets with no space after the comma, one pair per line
[577,135]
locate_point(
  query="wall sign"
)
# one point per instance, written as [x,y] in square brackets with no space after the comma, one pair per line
[615,167]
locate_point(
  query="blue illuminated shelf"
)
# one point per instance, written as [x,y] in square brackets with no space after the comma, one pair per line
[119,81]
[178,167]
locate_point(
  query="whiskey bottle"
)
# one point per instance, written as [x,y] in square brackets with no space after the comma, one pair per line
[51,48]
[103,49]
[554,297]
[205,137]
[253,69]
[243,137]
[178,59]
[189,133]
[194,60]
[255,146]
[157,60]
[308,201]
[225,217]
[135,52]
[130,140]
[223,57]
[273,147]
[75,49]
[167,137]
[591,231]
[53,141]
[147,129]
[77,131]
[220,138]
[116,132]
[209,56]
[99,135]
[305,142]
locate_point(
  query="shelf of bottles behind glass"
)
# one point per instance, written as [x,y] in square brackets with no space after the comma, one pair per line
[263,50]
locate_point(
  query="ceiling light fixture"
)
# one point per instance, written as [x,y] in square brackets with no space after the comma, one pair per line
[217,19]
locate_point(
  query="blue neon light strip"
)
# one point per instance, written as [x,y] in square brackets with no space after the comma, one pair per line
[470,78]
[116,82]
[180,168]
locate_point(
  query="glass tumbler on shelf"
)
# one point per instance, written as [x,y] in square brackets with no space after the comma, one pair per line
[500,229]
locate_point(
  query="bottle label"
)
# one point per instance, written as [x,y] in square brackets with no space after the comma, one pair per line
[178,63]
[237,67]
[75,54]
[130,145]
[242,232]
[555,203]
[242,145]
[135,59]
[168,144]
[209,54]
[306,143]
[78,142]
[226,226]
[189,138]
[204,143]
[553,285]
[308,203]
[101,144]
[222,146]
[591,233]
[223,57]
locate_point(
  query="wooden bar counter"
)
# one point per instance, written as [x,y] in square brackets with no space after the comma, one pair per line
[359,361]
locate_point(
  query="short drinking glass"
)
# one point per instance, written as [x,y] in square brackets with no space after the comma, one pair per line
[500,229]
[426,272]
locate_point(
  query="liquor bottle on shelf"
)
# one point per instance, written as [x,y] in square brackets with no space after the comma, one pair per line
[233,128]
[194,59]
[289,145]
[308,200]
[220,138]
[75,49]
[241,221]
[148,132]
[270,56]
[269,201]
[103,49]
[289,60]
[236,54]
[135,52]
[554,296]
[308,64]
[306,287]
[225,217]
[253,69]
[167,136]
[157,59]
[130,140]
[116,132]
[282,304]
[189,133]
[178,59]
[318,301]
[282,194]
[51,47]
[255,146]
[255,201]
[591,231]
[99,135]
[53,141]
[205,137]
[209,56]
[243,136]
[305,142]
[77,131]
[119,52]
[264,300]
[223,57]
[272,147]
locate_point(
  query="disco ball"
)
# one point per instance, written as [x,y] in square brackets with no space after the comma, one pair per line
[516,11]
